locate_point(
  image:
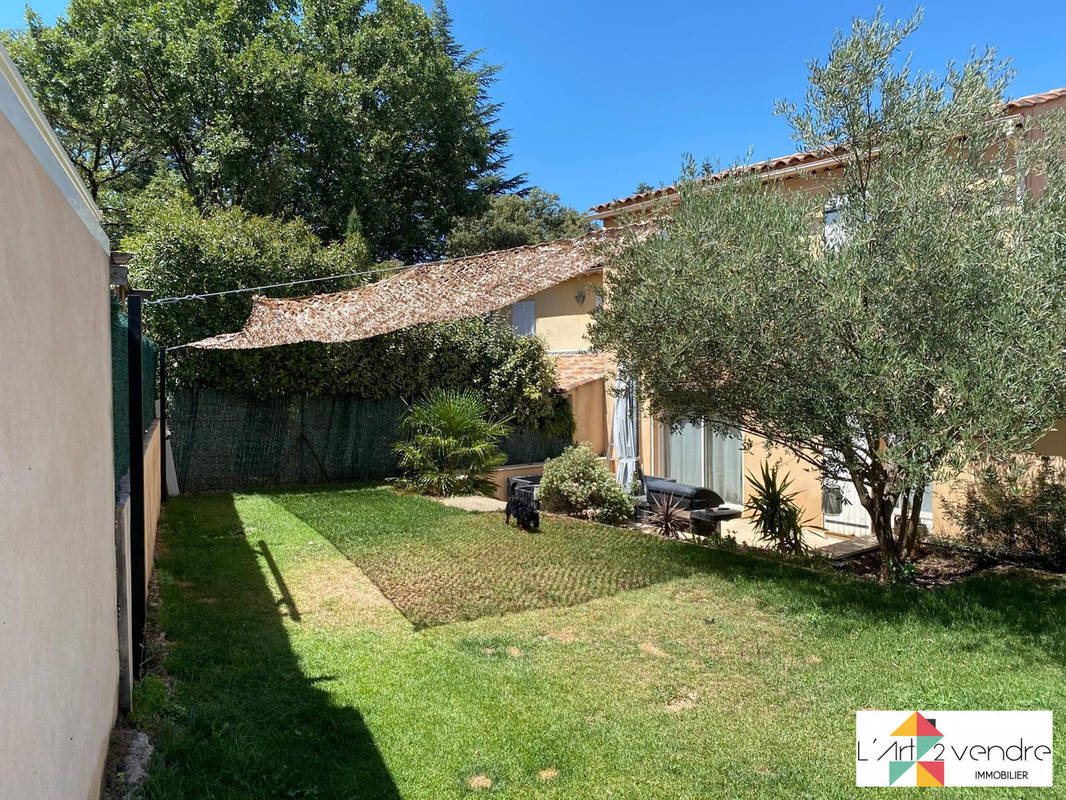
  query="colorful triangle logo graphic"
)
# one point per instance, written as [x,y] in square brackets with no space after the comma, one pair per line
[925,743]
[917,725]
[926,735]
[930,773]
[897,769]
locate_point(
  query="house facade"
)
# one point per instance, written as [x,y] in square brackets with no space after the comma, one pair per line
[561,316]
[701,456]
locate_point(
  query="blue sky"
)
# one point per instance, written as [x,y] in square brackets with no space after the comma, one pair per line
[602,95]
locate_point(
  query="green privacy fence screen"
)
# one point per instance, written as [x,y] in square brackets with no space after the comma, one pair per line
[120,388]
[223,441]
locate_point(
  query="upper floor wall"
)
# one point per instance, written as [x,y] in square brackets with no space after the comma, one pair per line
[560,314]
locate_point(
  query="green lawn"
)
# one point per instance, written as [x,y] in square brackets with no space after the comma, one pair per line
[583,662]
[441,565]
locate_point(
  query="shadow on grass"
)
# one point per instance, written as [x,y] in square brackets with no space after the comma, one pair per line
[1024,604]
[441,565]
[286,596]
[242,720]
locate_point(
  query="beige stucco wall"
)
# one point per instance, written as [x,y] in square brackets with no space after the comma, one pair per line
[58,635]
[561,321]
[591,415]
[1053,443]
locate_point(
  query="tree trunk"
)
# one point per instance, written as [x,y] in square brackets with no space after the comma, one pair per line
[881,510]
[912,522]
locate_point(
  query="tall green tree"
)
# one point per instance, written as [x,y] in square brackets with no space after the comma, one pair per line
[71,69]
[513,220]
[178,252]
[922,325]
[347,114]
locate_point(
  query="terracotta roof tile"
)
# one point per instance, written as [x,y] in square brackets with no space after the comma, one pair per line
[769,165]
[797,159]
[577,369]
[440,291]
[1034,99]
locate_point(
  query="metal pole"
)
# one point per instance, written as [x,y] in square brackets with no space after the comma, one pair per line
[137,567]
[163,424]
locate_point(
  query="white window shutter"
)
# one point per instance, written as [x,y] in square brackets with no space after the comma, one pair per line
[524,317]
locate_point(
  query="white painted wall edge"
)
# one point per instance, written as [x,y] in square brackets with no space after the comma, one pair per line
[18,105]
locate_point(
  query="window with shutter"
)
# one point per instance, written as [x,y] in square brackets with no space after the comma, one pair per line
[524,317]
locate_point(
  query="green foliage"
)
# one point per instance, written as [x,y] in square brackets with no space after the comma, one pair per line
[350,115]
[513,220]
[904,571]
[179,250]
[1018,504]
[70,67]
[150,701]
[926,329]
[578,482]
[561,423]
[775,515]
[514,374]
[451,445]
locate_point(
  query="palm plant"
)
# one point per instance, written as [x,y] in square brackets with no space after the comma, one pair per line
[667,516]
[775,514]
[450,445]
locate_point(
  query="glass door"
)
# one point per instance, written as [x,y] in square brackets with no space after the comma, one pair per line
[684,455]
[699,456]
[723,464]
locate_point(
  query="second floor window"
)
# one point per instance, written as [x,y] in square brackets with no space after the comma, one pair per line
[524,317]
[833,233]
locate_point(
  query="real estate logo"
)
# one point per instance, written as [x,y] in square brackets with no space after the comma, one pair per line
[924,735]
[953,748]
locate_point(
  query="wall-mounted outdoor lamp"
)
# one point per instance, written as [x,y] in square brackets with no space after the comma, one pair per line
[580,296]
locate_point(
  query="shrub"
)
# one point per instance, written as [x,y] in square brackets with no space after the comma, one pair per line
[579,483]
[775,515]
[1019,505]
[451,445]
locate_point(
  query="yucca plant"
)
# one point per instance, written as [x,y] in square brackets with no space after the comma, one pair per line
[775,514]
[667,516]
[450,445]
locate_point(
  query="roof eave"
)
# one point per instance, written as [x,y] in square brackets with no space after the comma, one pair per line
[781,173]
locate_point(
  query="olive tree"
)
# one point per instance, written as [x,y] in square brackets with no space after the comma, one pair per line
[898,316]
